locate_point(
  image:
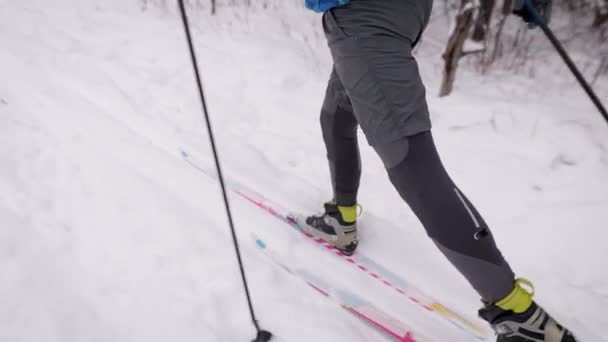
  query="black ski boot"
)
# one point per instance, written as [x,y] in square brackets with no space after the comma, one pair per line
[519,319]
[337,225]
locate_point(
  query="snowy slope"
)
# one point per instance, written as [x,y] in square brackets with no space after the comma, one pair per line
[106,234]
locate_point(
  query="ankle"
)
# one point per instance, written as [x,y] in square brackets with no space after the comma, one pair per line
[348,213]
[520,299]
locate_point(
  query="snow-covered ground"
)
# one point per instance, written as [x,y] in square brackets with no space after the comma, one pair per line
[106,234]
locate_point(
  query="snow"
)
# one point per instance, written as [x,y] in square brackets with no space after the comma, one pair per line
[106,234]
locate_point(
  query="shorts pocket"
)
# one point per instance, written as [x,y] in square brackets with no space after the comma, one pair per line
[332,30]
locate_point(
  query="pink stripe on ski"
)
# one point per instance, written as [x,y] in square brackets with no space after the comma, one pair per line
[405,338]
[363,310]
[428,306]
[331,247]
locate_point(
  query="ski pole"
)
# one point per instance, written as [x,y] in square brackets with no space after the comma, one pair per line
[262,335]
[562,52]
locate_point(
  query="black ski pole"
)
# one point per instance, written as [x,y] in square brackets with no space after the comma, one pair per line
[562,52]
[262,335]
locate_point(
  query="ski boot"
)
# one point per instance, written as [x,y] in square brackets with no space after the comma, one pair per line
[517,318]
[337,225]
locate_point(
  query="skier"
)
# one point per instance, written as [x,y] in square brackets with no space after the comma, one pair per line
[375,83]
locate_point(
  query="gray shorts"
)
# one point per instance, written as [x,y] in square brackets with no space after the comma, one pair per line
[371,43]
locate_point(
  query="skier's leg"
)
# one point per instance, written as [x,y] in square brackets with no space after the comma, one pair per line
[338,223]
[449,218]
[462,235]
[339,128]
[355,97]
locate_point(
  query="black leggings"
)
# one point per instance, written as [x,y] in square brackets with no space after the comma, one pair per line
[416,171]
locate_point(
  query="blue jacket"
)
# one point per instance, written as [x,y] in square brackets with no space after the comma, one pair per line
[320,6]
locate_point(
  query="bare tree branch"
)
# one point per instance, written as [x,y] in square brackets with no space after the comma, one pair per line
[453,51]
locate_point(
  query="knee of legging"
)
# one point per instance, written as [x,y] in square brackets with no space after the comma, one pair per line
[394,155]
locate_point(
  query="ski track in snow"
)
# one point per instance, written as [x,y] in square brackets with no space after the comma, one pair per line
[106,234]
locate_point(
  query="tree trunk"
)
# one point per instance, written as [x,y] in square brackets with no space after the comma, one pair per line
[601,14]
[482,23]
[453,50]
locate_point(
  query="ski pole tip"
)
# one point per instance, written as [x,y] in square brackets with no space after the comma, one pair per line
[263,336]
